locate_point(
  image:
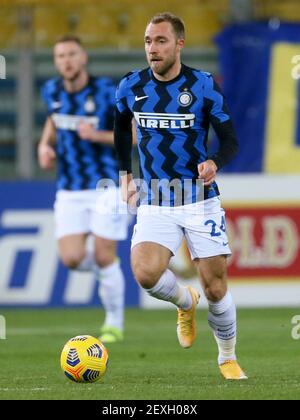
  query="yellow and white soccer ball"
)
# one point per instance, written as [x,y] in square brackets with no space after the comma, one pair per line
[84,359]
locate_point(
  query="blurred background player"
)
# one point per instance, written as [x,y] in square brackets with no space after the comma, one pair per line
[173,106]
[78,136]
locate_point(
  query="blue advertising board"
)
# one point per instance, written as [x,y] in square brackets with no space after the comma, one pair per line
[30,271]
[260,67]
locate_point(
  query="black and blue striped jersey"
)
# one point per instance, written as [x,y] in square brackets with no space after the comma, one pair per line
[81,164]
[172,120]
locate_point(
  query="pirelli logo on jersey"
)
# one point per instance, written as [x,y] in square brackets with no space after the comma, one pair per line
[71,122]
[155,120]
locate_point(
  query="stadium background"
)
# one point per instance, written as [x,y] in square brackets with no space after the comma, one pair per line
[251,47]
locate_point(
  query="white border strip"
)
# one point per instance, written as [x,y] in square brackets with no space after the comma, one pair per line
[247,188]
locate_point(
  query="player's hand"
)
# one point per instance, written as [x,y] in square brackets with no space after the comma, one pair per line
[87,132]
[207,172]
[46,156]
[129,191]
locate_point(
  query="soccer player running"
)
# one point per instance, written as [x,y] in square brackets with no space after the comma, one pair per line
[78,135]
[173,106]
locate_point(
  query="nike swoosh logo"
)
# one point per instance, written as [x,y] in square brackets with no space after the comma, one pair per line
[139,98]
[225,243]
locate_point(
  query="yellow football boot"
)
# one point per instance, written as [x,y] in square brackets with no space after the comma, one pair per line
[232,371]
[186,324]
[109,335]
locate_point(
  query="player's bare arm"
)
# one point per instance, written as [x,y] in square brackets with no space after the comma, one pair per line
[88,132]
[46,152]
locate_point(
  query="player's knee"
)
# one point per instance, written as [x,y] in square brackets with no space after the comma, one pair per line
[215,291]
[72,260]
[105,259]
[146,274]
[105,253]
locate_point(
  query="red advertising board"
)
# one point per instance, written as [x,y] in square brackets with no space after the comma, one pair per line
[265,242]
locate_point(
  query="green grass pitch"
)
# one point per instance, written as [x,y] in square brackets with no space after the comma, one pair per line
[149,364]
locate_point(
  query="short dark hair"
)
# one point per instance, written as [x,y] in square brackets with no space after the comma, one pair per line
[69,38]
[176,22]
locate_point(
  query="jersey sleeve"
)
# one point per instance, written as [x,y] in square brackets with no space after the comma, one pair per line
[110,98]
[220,119]
[123,128]
[50,94]
[214,101]
[121,97]
[46,97]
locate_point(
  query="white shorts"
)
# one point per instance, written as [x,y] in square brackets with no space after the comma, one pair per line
[202,224]
[91,211]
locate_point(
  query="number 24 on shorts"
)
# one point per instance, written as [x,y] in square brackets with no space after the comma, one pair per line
[215,229]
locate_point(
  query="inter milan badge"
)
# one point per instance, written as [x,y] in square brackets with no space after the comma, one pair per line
[90,105]
[185,99]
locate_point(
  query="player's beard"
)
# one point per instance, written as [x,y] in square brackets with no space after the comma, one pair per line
[163,67]
[73,78]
